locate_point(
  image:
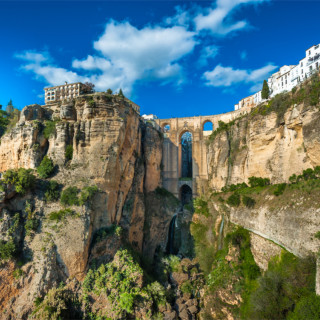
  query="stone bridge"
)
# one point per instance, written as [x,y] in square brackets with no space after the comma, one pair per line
[173,130]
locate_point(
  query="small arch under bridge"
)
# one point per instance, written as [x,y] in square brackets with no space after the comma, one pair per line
[172,160]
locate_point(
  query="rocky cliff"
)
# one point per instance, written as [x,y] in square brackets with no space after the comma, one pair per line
[96,141]
[263,145]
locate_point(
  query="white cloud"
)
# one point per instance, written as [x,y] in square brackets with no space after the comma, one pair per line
[214,19]
[207,53]
[226,76]
[40,64]
[183,17]
[124,55]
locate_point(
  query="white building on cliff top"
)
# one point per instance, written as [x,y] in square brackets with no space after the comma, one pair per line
[287,77]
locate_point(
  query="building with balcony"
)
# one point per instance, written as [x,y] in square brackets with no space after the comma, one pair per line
[63,92]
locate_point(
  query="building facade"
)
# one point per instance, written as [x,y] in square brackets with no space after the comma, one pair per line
[63,92]
[287,77]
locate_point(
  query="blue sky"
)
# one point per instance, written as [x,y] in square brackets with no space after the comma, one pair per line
[173,58]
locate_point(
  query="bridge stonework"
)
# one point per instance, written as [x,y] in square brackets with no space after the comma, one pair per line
[172,153]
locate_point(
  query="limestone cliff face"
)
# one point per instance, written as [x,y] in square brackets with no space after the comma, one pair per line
[261,146]
[112,149]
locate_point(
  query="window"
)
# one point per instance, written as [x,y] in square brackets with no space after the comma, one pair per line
[309,52]
[301,64]
[310,68]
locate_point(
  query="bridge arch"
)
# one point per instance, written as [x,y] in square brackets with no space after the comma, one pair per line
[172,175]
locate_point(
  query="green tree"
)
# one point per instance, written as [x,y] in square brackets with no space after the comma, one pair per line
[109,91]
[121,93]
[265,90]
[9,108]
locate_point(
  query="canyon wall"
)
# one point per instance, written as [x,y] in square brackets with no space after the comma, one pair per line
[111,148]
[265,146]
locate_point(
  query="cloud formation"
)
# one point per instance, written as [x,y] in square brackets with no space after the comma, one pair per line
[124,55]
[214,19]
[227,76]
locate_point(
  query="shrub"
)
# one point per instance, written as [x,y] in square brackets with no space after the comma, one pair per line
[281,287]
[223,127]
[62,214]
[32,222]
[186,287]
[248,202]
[201,206]
[293,179]
[18,273]
[172,263]
[280,189]
[121,281]
[53,191]
[87,194]
[69,152]
[258,182]
[234,200]
[317,235]
[157,292]
[22,179]
[46,167]
[7,249]
[234,187]
[59,303]
[69,196]
[307,308]
[49,129]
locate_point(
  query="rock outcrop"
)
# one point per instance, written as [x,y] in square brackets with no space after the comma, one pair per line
[110,148]
[263,146]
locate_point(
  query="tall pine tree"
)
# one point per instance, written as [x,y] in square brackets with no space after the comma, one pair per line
[265,90]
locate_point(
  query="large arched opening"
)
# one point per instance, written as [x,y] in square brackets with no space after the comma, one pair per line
[186,155]
[185,194]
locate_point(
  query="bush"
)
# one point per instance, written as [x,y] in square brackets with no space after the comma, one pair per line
[234,187]
[317,235]
[69,196]
[234,200]
[22,179]
[280,189]
[59,303]
[32,222]
[258,182]
[186,287]
[46,167]
[7,249]
[281,287]
[87,194]
[121,281]
[201,206]
[248,202]
[53,191]
[62,214]
[49,129]
[69,152]
[307,308]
